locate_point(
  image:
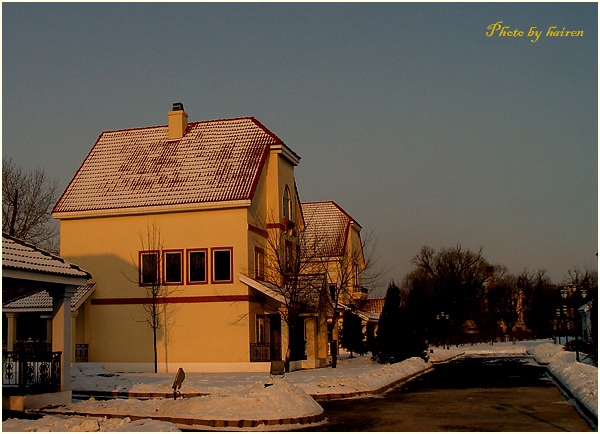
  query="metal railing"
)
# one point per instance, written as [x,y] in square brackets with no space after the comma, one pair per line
[81,353]
[30,347]
[264,352]
[31,372]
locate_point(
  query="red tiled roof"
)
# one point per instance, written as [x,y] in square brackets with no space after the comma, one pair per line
[215,161]
[19,255]
[327,226]
[374,306]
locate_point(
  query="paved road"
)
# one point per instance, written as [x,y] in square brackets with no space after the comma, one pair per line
[469,394]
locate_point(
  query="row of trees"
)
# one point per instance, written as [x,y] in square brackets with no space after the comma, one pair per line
[27,201]
[455,296]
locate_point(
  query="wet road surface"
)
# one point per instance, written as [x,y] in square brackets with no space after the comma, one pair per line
[468,394]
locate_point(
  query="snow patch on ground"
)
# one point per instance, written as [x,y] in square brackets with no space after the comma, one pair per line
[86,424]
[93,376]
[579,378]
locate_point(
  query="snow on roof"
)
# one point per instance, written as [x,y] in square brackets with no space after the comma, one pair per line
[308,292]
[21,256]
[215,161]
[327,226]
[374,306]
[42,301]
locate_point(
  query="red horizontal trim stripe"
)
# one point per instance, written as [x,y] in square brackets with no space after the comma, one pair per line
[170,300]
[257,230]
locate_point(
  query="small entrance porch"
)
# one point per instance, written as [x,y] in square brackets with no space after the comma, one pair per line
[36,374]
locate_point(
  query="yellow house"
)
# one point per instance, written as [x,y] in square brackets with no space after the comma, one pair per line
[335,237]
[173,222]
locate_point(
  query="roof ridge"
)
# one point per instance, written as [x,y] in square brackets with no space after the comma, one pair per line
[316,201]
[149,127]
[332,202]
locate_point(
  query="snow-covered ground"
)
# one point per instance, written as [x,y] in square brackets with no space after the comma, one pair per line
[240,396]
[579,378]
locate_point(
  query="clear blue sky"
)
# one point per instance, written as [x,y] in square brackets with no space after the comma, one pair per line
[407,115]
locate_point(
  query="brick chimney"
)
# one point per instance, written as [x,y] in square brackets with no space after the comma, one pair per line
[178,120]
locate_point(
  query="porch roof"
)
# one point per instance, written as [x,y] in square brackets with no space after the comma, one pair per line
[42,301]
[309,294]
[264,287]
[362,314]
[21,260]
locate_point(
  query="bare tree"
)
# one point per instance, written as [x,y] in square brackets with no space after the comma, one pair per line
[149,266]
[27,200]
[290,272]
[453,280]
[307,279]
[506,300]
[349,276]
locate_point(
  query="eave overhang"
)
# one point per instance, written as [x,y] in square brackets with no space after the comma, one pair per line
[286,152]
[160,209]
[44,277]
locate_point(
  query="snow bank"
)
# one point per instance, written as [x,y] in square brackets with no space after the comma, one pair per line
[579,378]
[368,381]
[86,424]
[441,355]
[279,400]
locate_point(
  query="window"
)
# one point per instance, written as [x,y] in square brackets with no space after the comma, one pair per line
[222,265]
[173,267]
[197,266]
[148,268]
[287,204]
[260,328]
[333,292]
[289,256]
[259,263]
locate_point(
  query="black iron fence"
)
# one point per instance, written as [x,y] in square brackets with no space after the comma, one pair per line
[31,347]
[30,371]
[264,352]
[81,353]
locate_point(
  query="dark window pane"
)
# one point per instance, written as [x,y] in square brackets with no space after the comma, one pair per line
[197,267]
[173,267]
[149,268]
[222,265]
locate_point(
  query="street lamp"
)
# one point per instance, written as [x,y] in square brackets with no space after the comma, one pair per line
[571,290]
[561,316]
[444,317]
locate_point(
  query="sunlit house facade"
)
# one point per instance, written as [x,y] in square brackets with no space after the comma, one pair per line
[183,211]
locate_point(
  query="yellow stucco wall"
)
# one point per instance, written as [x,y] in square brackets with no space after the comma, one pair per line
[108,247]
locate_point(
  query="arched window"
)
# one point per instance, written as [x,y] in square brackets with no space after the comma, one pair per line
[287,204]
